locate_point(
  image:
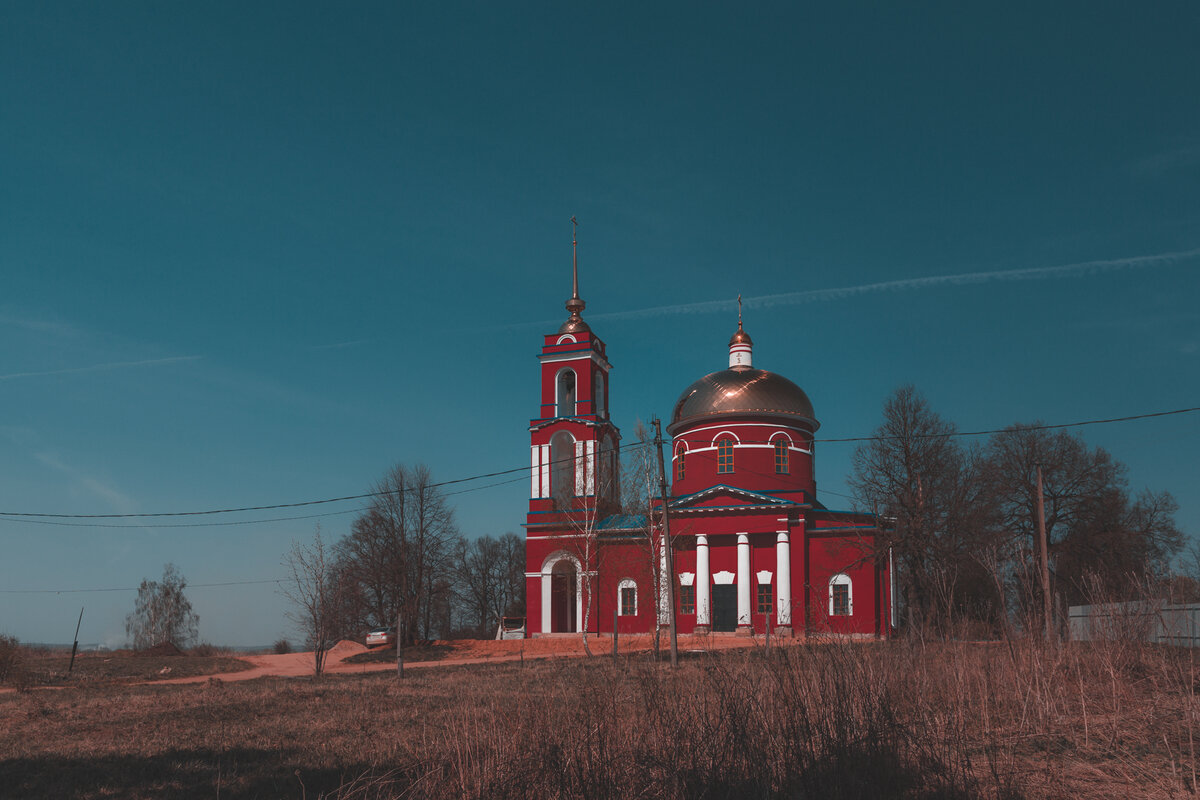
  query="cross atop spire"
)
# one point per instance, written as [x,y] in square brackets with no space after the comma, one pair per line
[575,305]
[740,344]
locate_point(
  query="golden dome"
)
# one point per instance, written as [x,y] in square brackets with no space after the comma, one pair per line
[742,391]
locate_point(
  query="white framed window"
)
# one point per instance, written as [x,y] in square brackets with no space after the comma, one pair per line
[627,597]
[562,465]
[841,596]
[564,393]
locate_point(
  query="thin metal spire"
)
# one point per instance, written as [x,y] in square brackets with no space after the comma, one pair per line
[739,312]
[575,304]
[574,259]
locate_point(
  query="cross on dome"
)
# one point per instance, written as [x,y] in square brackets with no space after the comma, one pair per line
[740,344]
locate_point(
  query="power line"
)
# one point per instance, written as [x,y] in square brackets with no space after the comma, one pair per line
[28,515]
[135,588]
[157,526]
[1017,428]
[301,504]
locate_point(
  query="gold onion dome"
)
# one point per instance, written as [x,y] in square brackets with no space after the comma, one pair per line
[742,391]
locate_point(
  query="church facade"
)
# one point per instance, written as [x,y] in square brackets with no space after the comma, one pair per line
[752,546]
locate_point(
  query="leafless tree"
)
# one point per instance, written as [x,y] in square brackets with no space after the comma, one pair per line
[1093,526]
[397,556]
[584,503]
[162,613]
[491,579]
[314,589]
[917,476]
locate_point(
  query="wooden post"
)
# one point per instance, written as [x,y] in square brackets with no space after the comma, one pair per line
[75,647]
[616,614]
[769,632]
[666,520]
[399,647]
[1044,547]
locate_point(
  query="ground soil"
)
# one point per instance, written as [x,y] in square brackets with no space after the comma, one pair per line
[346,657]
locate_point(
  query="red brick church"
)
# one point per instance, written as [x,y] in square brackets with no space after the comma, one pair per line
[753,546]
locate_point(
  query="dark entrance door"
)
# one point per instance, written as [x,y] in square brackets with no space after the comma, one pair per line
[562,600]
[724,600]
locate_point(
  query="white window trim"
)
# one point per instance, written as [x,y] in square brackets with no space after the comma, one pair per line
[627,583]
[558,400]
[842,579]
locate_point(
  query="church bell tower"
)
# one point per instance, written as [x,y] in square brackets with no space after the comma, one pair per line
[574,446]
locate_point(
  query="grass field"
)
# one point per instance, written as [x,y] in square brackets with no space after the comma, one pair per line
[896,719]
[54,668]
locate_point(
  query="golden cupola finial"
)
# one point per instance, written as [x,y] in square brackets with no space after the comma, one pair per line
[575,305]
[740,344]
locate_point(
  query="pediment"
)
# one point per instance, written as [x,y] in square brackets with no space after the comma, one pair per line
[722,496]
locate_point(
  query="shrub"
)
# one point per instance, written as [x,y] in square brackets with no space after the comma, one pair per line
[205,650]
[10,659]
[283,647]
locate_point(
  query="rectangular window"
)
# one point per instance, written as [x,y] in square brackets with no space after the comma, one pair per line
[681,463]
[687,599]
[725,455]
[764,598]
[628,601]
[781,456]
[841,599]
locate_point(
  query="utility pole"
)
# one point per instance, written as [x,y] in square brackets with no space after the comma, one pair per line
[75,646]
[666,526]
[399,645]
[1044,547]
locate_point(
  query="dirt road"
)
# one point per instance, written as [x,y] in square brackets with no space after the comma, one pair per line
[470,651]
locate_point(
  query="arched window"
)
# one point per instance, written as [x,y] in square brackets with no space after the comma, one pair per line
[781,455]
[627,596]
[598,404]
[841,596]
[724,455]
[565,393]
[681,463]
[562,465]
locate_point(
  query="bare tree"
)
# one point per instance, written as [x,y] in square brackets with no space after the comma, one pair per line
[162,613]
[915,474]
[490,577]
[1094,528]
[314,588]
[398,555]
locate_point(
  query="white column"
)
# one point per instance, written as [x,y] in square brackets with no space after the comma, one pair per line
[535,472]
[580,470]
[743,580]
[546,595]
[545,462]
[783,580]
[703,581]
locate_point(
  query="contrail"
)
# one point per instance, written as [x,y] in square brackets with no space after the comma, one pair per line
[150,362]
[962,279]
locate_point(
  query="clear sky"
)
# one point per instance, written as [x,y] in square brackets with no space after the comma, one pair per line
[257,253]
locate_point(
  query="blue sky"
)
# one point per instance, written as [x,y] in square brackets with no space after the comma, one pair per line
[256,254]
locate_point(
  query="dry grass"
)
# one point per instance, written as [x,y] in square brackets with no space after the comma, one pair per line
[830,721]
[53,667]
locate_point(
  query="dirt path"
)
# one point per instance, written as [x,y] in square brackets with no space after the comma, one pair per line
[296,665]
